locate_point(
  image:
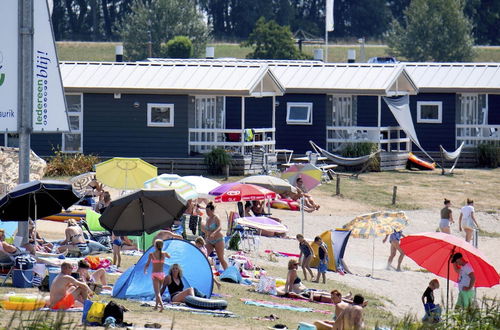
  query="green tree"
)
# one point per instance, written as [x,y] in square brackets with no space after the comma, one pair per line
[272,41]
[178,47]
[433,30]
[158,21]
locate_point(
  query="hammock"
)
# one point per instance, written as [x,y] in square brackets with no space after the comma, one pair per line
[344,161]
[445,155]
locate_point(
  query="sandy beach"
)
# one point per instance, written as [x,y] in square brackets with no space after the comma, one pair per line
[401,291]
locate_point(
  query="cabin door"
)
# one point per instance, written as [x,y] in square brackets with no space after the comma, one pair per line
[473,111]
[210,115]
[344,116]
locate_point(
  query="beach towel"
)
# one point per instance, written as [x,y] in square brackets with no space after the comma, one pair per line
[184,308]
[270,304]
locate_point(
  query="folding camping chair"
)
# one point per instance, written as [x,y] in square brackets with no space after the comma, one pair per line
[6,265]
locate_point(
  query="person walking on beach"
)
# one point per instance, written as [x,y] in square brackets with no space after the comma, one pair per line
[394,239]
[466,281]
[157,258]
[469,220]
[306,255]
[446,217]
[323,259]
[213,234]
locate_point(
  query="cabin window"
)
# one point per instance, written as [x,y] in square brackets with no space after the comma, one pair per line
[160,115]
[299,113]
[429,112]
[72,141]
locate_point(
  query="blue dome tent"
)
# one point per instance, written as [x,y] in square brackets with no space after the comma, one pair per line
[196,272]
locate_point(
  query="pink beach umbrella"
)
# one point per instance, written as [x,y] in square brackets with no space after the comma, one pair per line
[245,192]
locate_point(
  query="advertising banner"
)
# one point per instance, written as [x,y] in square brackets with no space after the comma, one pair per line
[8,66]
[49,104]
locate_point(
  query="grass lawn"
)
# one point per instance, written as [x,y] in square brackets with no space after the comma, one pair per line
[105,51]
[232,293]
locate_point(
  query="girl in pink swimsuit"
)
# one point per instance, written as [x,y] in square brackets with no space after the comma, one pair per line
[157,258]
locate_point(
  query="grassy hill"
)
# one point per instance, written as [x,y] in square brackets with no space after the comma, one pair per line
[105,51]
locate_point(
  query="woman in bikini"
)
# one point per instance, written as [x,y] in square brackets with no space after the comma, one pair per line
[394,239]
[213,235]
[74,239]
[175,286]
[157,258]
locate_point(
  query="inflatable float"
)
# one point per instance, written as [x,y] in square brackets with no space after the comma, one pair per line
[414,161]
[266,226]
[18,302]
[66,215]
[285,204]
[204,303]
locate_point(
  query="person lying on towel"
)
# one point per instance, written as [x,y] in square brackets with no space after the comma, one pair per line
[66,292]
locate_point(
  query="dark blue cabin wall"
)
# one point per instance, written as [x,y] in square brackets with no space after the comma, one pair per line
[258,112]
[233,112]
[494,109]
[431,136]
[367,111]
[115,127]
[296,137]
[2,139]
[46,144]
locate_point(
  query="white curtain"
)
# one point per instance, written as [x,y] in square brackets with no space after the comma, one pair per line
[400,108]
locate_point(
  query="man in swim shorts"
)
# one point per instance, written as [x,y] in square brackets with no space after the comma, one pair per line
[65,291]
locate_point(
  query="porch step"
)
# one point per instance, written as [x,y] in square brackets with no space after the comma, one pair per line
[390,161]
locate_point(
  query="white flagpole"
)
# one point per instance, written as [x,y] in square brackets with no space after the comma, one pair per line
[328,24]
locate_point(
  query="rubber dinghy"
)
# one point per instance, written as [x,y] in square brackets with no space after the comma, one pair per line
[415,162]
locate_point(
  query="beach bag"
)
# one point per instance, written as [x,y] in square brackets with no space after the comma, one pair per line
[95,313]
[24,262]
[114,310]
[267,285]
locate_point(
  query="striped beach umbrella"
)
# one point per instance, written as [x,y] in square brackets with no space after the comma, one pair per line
[172,181]
[377,224]
[310,175]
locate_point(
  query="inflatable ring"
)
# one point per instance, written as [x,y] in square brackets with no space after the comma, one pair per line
[23,305]
[203,303]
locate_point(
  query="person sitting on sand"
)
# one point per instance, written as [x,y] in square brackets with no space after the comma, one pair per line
[302,190]
[74,239]
[352,318]
[166,234]
[432,311]
[293,286]
[65,290]
[99,276]
[157,258]
[394,239]
[306,255]
[175,286]
[340,306]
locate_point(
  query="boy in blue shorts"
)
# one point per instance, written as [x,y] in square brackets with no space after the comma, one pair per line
[323,259]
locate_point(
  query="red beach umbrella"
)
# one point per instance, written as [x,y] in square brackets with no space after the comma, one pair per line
[245,192]
[433,251]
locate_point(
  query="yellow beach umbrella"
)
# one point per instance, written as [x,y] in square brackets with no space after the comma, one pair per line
[125,173]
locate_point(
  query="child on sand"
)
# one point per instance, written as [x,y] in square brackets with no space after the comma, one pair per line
[117,248]
[157,258]
[432,311]
[323,259]
[306,255]
[199,242]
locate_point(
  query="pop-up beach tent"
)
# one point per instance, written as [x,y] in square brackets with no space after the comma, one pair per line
[196,272]
[336,241]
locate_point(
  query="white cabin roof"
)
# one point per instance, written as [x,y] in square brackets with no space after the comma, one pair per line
[456,77]
[180,77]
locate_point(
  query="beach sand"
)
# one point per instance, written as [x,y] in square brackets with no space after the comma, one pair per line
[402,290]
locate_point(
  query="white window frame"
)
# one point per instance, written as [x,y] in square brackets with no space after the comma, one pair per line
[309,106]
[161,105]
[439,120]
[80,131]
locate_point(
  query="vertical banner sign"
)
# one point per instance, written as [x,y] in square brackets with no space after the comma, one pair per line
[329,15]
[49,103]
[8,65]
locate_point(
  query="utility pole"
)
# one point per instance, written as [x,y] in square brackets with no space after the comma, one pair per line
[25,98]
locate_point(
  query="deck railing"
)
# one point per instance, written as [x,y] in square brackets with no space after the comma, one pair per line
[234,140]
[390,138]
[473,135]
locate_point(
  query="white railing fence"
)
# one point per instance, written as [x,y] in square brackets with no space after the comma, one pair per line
[391,138]
[241,141]
[473,135]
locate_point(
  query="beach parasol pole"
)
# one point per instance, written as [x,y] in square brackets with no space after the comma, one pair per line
[373,255]
[448,280]
[302,213]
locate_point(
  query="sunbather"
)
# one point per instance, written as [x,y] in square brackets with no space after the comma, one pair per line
[340,306]
[99,276]
[166,234]
[293,286]
[65,290]
[6,250]
[36,242]
[75,241]
[175,286]
[302,192]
